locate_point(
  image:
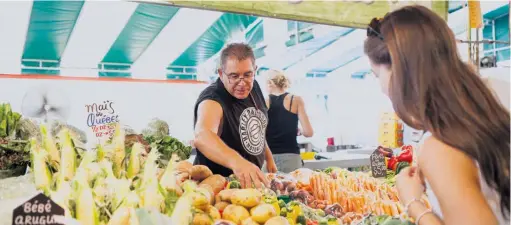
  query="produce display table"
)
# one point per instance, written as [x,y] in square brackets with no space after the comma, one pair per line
[340,159]
[343,159]
[13,192]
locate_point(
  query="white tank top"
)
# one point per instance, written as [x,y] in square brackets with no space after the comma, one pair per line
[492,196]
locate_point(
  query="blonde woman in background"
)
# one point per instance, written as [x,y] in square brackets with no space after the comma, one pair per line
[285,110]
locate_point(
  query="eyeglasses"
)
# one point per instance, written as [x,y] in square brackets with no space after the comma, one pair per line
[236,79]
[373,29]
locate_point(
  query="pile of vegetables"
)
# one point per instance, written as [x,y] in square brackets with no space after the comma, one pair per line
[106,185]
[157,133]
[399,162]
[168,146]
[13,142]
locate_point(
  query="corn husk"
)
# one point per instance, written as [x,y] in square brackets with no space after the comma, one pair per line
[118,189]
[62,197]
[183,213]
[67,157]
[150,195]
[135,160]
[119,152]
[124,215]
[50,146]
[42,175]
[86,211]
[169,181]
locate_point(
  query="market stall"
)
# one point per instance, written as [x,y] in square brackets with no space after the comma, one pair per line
[124,181]
[144,175]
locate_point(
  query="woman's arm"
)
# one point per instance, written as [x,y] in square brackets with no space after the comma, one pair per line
[307,130]
[454,178]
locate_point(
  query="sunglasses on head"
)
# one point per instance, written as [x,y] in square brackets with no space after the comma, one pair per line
[373,29]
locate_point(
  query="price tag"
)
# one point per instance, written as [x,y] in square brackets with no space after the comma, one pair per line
[38,210]
[378,167]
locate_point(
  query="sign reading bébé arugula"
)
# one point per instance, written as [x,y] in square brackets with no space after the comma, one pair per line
[38,210]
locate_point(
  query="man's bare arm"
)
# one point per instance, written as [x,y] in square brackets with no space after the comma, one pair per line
[207,141]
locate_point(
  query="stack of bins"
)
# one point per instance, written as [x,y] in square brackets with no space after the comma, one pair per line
[390,131]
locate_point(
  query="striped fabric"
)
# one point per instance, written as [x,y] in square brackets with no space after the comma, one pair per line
[141,40]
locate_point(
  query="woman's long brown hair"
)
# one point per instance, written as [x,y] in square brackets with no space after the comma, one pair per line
[432,89]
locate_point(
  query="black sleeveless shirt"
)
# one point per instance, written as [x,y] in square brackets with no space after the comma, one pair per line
[282,127]
[243,126]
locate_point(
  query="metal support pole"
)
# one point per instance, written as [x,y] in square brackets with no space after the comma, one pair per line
[477,49]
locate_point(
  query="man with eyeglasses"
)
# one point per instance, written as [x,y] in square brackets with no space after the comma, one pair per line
[230,121]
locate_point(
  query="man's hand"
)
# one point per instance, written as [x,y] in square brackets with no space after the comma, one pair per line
[247,173]
[271,167]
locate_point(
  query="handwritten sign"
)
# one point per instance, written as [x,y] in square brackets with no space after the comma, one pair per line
[101,118]
[38,210]
[378,167]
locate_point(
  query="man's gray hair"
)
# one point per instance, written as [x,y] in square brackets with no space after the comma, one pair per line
[239,51]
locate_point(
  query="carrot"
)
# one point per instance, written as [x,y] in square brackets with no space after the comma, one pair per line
[394,210]
[334,192]
[314,187]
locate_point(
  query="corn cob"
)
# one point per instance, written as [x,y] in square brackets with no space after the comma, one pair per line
[134,160]
[124,215]
[131,200]
[42,175]
[119,152]
[183,209]
[67,156]
[168,180]
[86,211]
[150,166]
[118,189]
[50,147]
[150,196]
[62,196]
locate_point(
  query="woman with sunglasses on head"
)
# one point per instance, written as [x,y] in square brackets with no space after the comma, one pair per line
[284,112]
[463,162]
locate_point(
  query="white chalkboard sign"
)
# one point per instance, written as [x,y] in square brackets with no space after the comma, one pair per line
[378,167]
[38,210]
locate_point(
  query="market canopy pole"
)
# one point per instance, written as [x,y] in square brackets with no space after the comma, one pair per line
[356,14]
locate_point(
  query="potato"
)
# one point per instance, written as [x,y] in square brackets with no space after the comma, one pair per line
[235,213]
[217,198]
[277,220]
[217,182]
[201,219]
[263,213]
[249,221]
[213,213]
[221,205]
[226,195]
[200,172]
[246,197]
[201,199]
[223,222]
[211,193]
[184,167]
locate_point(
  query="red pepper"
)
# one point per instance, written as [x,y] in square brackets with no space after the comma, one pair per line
[407,147]
[405,156]
[392,163]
